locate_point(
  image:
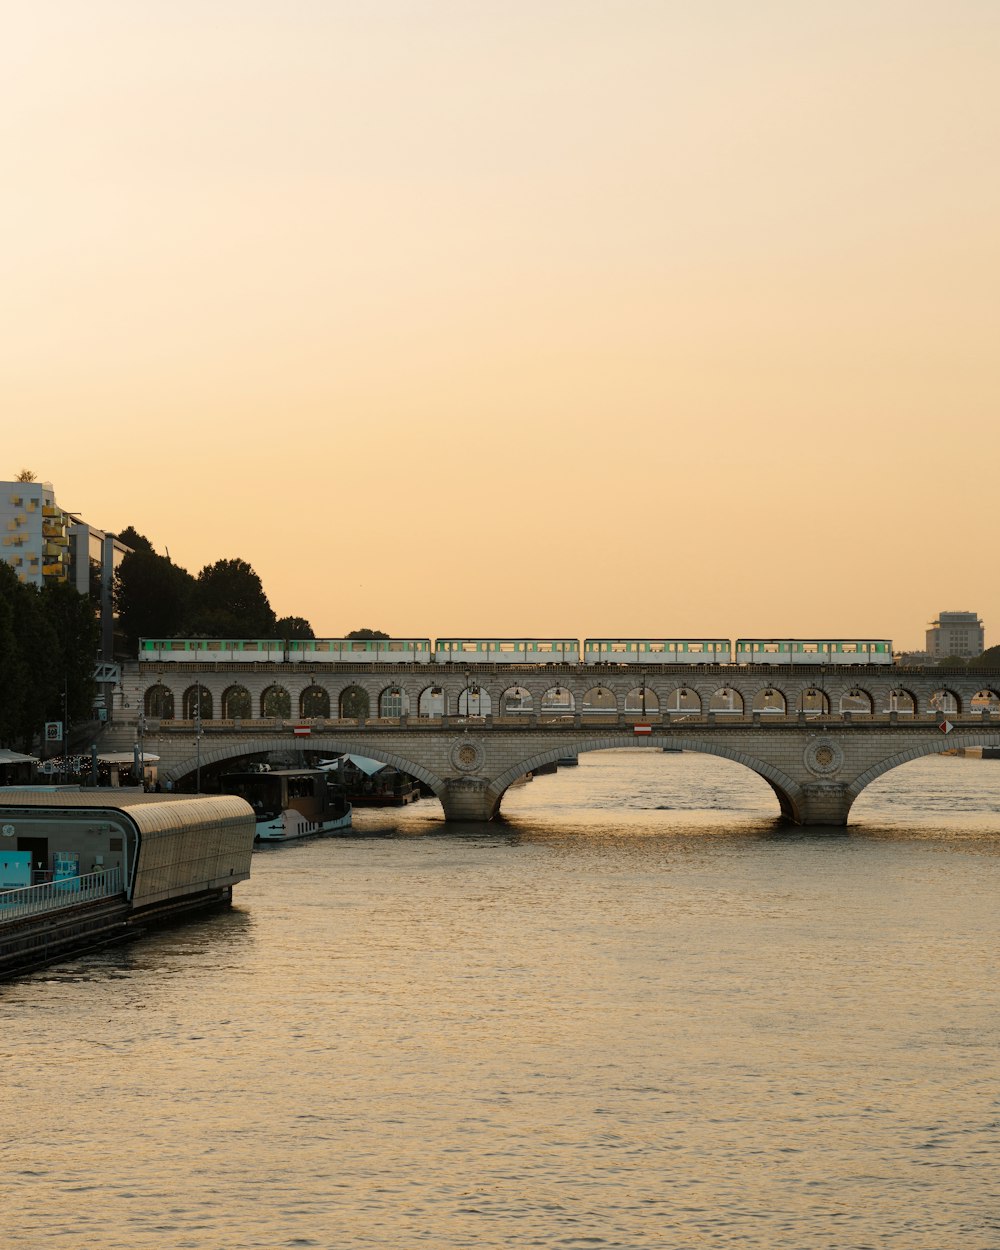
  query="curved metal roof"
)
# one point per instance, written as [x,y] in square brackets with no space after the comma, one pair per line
[152,814]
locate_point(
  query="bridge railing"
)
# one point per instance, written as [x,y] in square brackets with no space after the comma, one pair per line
[584,718]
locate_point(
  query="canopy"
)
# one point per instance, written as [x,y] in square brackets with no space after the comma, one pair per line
[15,757]
[124,757]
[359,761]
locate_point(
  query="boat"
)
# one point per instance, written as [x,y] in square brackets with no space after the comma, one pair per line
[291,803]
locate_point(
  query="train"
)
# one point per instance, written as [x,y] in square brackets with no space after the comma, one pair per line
[534,652]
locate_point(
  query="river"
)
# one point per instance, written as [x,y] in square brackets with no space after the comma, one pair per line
[636,1012]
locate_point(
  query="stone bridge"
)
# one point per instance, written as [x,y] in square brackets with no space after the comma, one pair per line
[818,736]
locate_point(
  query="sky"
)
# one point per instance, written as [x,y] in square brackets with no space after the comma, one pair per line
[517,317]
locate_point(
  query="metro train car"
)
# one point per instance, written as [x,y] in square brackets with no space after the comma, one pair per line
[519,651]
[211,650]
[813,651]
[657,651]
[360,651]
[507,650]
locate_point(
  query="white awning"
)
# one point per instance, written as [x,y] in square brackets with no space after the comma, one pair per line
[124,757]
[15,757]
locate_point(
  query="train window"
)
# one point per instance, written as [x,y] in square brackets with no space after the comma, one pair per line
[359,645]
[850,647]
[694,646]
[394,645]
[212,644]
[810,648]
[508,646]
[658,647]
[619,646]
[545,646]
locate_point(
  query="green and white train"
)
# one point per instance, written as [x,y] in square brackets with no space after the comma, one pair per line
[595,652]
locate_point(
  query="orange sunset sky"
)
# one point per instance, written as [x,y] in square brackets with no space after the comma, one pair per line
[554,317]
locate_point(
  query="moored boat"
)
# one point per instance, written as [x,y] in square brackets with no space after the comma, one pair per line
[291,803]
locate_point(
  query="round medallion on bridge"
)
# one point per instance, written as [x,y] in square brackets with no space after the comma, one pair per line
[823,757]
[466,755]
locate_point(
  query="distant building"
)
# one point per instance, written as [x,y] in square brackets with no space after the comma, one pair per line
[35,532]
[956,633]
[46,545]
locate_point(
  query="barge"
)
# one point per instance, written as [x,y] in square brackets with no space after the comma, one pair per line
[84,868]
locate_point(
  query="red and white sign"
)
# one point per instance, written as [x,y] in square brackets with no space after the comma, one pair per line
[642,729]
[302,731]
[946,726]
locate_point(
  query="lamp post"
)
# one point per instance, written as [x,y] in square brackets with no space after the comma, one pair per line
[197,737]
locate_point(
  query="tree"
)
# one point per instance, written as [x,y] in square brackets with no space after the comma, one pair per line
[26,475]
[951,661]
[78,636]
[367,633]
[989,659]
[229,602]
[293,627]
[153,596]
[132,538]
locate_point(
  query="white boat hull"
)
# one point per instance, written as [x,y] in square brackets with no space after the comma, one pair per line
[292,825]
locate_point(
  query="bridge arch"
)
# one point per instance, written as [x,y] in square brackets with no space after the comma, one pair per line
[329,744]
[987,737]
[787,791]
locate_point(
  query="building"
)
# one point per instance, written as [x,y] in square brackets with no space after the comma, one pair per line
[35,533]
[956,633]
[46,545]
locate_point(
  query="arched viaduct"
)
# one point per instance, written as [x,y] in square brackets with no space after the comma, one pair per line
[818,737]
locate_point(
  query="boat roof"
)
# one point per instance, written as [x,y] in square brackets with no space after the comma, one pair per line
[151,813]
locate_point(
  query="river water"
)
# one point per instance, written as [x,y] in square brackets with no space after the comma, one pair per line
[637,1012]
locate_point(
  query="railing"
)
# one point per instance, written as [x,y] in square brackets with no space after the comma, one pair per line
[29,900]
[586,718]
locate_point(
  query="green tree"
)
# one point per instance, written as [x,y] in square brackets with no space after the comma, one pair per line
[132,538]
[989,659]
[153,597]
[367,633]
[229,602]
[78,635]
[293,627]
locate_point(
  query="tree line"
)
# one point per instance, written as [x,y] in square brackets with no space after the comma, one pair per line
[155,598]
[49,640]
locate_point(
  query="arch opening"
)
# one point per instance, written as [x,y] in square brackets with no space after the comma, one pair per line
[353,704]
[516,702]
[770,702]
[642,701]
[726,702]
[197,703]
[393,703]
[314,703]
[813,702]
[158,703]
[275,703]
[236,703]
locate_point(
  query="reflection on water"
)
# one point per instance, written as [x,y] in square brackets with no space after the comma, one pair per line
[636,1012]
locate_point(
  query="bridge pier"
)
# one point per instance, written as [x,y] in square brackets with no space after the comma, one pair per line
[821,803]
[469,799]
